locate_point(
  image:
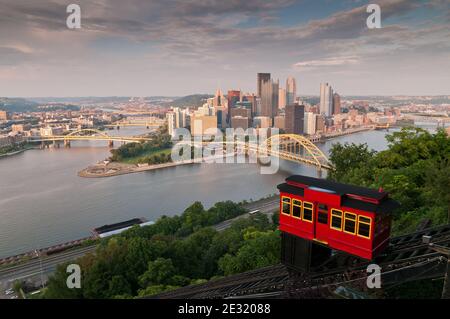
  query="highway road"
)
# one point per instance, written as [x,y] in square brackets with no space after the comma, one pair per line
[264,206]
[47,264]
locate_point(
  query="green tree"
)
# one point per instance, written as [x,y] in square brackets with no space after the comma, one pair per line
[261,249]
[159,272]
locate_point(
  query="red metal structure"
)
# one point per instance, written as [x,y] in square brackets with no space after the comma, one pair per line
[352,219]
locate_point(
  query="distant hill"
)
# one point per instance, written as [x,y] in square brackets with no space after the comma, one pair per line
[81,100]
[194,100]
[17,105]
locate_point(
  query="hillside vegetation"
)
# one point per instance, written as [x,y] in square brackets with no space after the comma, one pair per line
[182,250]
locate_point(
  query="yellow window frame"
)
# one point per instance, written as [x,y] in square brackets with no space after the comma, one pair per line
[354,220]
[312,212]
[366,223]
[290,205]
[341,217]
[296,205]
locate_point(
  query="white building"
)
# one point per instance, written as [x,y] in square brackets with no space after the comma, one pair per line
[171,123]
[326,99]
[51,131]
[310,123]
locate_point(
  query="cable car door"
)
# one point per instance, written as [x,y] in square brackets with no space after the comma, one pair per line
[321,223]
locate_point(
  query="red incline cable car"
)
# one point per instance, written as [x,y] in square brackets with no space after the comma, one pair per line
[353,219]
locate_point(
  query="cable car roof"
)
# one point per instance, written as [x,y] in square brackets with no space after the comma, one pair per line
[338,188]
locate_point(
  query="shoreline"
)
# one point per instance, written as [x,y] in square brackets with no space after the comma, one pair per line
[116,169]
[17,152]
[110,169]
[57,248]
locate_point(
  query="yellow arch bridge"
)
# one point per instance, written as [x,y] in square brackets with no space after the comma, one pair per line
[290,147]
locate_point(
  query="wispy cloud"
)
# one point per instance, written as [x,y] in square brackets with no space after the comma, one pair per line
[333,61]
[179,46]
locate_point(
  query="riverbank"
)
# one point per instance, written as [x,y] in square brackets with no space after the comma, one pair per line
[18,151]
[115,168]
[109,169]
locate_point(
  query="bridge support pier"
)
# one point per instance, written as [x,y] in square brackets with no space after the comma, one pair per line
[319,172]
[66,143]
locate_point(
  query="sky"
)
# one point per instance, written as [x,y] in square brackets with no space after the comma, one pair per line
[182,47]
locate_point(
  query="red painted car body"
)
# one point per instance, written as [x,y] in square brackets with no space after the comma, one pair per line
[348,218]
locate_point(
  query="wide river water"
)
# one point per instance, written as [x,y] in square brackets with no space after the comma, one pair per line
[43,202]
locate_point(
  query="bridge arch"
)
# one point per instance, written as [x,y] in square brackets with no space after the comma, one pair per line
[296,148]
[78,132]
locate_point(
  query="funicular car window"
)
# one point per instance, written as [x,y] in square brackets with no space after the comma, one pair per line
[307,211]
[364,225]
[336,219]
[296,208]
[350,223]
[286,209]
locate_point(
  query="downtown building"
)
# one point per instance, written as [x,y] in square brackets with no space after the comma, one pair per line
[326,99]
[281,98]
[177,118]
[267,92]
[294,119]
[336,104]
[291,90]
[310,123]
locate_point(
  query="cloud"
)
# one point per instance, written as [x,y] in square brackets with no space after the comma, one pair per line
[141,40]
[334,61]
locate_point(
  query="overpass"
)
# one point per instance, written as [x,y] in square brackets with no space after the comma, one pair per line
[88,135]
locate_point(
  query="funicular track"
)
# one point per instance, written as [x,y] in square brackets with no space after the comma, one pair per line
[407,258]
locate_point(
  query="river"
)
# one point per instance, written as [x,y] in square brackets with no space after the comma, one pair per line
[43,202]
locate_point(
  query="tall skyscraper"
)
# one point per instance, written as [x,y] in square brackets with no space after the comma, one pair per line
[294,119]
[281,98]
[261,78]
[266,97]
[275,92]
[265,89]
[326,99]
[291,90]
[336,104]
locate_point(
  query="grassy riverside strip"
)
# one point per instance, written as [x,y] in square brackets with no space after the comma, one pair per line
[115,169]
[16,149]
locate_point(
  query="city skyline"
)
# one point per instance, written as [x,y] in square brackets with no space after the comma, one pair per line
[196,47]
